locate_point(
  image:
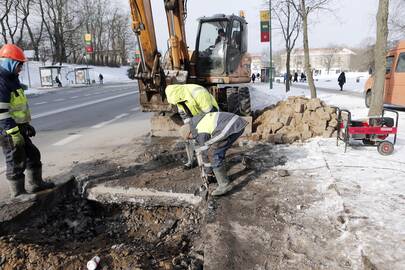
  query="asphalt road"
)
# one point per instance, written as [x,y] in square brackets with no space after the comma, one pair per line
[74,122]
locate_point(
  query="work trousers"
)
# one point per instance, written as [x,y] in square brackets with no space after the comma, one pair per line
[218,150]
[18,158]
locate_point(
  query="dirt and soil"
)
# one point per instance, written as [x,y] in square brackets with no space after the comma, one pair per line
[123,236]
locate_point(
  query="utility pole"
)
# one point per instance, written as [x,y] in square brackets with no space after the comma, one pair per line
[271,53]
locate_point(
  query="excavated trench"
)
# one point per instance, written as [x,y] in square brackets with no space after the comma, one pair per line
[68,234]
[67,229]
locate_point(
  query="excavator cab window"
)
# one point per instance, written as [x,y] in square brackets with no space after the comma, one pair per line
[212,47]
[234,49]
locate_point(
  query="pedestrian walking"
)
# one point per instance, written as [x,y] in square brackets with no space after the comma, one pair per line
[191,100]
[215,133]
[58,81]
[295,77]
[303,77]
[100,78]
[15,116]
[342,80]
[253,77]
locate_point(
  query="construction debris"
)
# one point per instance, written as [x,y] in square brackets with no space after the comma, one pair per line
[294,119]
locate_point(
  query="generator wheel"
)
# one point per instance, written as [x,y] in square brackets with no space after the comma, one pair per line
[385,148]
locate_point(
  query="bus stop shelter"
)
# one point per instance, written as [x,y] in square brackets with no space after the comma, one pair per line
[48,75]
[82,75]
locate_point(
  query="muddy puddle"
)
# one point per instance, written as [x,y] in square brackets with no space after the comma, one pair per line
[68,234]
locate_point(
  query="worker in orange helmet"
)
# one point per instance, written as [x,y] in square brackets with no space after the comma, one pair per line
[15,129]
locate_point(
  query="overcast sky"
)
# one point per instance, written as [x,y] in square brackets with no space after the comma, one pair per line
[349,23]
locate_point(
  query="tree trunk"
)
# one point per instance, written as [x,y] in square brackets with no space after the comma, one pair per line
[308,69]
[287,67]
[377,97]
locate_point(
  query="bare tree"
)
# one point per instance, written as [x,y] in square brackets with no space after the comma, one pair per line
[304,9]
[61,23]
[290,25]
[377,97]
[329,59]
[34,25]
[13,20]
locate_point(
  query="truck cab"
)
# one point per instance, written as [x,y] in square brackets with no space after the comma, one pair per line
[394,87]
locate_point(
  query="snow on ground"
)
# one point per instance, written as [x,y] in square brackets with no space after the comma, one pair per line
[30,72]
[354,81]
[368,189]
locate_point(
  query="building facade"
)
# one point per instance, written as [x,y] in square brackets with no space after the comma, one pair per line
[324,61]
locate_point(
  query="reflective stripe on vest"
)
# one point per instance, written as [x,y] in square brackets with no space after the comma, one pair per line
[223,133]
[19,109]
[4,105]
[4,115]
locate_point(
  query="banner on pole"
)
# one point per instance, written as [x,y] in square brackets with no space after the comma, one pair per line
[264,15]
[87,37]
[264,26]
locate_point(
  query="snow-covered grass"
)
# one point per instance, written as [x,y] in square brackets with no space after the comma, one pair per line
[367,188]
[354,81]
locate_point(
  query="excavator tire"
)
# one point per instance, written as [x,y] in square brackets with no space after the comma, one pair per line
[232,100]
[238,100]
[244,101]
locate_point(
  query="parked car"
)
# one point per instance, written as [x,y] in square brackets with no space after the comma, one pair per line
[394,88]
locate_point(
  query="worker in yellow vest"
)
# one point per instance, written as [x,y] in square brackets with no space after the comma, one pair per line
[15,116]
[215,133]
[191,100]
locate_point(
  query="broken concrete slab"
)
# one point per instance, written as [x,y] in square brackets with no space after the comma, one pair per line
[140,196]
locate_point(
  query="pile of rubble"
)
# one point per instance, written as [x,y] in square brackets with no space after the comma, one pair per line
[294,119]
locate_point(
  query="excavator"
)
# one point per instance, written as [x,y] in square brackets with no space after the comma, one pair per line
[220,61]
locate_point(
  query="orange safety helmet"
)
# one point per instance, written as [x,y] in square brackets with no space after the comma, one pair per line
[13,52]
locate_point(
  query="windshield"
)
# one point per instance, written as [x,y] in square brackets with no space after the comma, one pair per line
[212,48]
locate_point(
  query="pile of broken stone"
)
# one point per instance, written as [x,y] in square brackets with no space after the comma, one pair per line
[295,119]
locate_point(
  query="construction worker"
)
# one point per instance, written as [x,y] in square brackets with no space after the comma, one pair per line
[191,100]
[215,133]
[20,153]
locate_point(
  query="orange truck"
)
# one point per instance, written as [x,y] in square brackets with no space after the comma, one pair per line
[394,88]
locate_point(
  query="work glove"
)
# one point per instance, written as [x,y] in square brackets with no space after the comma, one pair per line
[17,139]
[28,130]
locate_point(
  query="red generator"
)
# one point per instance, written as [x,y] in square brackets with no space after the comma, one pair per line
[372,131]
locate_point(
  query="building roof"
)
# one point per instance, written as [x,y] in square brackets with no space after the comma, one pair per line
[324,51]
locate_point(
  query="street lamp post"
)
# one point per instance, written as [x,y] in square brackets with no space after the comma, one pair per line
[271,53]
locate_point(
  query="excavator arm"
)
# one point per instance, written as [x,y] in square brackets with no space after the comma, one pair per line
[150,74]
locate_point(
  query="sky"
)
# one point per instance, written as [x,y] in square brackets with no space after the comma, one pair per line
[348,23]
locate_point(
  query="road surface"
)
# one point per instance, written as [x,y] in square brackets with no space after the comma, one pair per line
[76,124]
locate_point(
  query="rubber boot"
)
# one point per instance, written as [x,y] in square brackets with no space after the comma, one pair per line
[16,187]
[191,162]
[35,181]
[223,182]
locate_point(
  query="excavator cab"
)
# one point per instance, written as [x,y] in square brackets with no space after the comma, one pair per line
[221,54]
